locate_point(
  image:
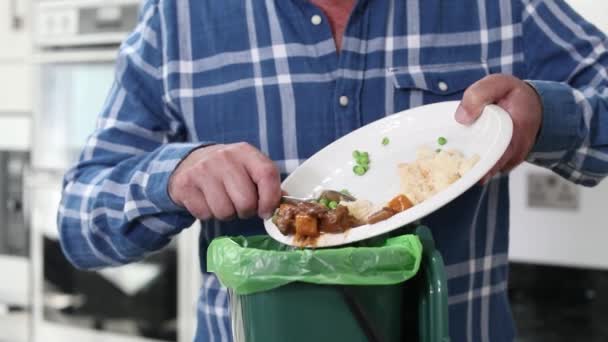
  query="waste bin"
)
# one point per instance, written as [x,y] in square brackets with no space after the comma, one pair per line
[334,310]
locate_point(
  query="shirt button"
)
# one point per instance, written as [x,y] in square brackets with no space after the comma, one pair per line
[343,101]
[315,19]
[442,86]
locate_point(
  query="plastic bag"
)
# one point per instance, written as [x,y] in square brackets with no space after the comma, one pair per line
[252,264]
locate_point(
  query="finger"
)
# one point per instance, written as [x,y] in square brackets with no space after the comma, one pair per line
[241,190]
[196,204]
[510,166]
[269,191]
[265,175]
[485,179]
[217,198]
[497,168]
[504,160]
[488,90]
[517,148]
[513,163]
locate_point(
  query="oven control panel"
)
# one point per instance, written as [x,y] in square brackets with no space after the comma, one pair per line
[66,23]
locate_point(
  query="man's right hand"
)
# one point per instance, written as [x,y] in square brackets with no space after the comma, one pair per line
[225,181]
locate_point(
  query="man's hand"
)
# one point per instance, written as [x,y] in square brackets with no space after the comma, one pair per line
[224,181]
[516,97]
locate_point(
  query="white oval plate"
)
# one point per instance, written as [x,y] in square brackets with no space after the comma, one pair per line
[331,168]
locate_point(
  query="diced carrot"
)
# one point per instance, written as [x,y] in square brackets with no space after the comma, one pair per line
[381,215]
[306,225]
[400,203]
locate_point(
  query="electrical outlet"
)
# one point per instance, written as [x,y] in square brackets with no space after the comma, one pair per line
[552,192]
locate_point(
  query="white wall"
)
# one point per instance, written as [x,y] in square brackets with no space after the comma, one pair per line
[596,11]
[558,236]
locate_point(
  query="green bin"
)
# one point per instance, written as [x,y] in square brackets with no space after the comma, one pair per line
[415,310]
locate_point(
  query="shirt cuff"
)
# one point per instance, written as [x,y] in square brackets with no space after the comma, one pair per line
[560,120]
[160,171]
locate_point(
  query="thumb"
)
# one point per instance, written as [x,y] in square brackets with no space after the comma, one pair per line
[463,117]
[490,89]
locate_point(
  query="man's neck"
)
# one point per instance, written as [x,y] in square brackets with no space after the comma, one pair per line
[338,12]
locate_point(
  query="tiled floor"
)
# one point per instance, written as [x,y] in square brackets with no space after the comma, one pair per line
[559,304]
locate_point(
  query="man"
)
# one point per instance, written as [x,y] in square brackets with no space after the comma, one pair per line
[215,100]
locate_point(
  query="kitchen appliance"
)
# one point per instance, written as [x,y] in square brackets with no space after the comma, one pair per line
[76,42]
[15,299]
[13,232]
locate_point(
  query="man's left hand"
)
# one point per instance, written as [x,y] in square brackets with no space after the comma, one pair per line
[516,97]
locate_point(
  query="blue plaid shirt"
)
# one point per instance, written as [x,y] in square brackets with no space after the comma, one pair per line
[265,73]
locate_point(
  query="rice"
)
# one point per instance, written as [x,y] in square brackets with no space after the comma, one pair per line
[429,174]
[432,172]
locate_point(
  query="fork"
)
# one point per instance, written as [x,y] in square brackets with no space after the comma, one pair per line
[331,195]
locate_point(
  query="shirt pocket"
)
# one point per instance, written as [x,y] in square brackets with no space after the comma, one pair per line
[437,82]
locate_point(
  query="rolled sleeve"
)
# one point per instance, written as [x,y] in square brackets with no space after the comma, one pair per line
[560,119]
[157,187]
[567,60]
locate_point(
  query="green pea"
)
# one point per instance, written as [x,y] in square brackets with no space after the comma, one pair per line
[363,161]
[359,170]
[333,205]
[324,202]
[442,141]
[385,141]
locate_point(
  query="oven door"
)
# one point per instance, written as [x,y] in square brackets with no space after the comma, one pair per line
[71,89]
[151,300]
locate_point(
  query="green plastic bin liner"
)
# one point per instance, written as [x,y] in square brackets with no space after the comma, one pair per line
[259,263]
[355,294]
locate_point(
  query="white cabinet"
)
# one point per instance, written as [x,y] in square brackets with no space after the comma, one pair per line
[15,87]
[14,30]
[15,57]
[16,98]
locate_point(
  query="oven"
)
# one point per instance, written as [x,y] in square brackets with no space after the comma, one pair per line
[76,42]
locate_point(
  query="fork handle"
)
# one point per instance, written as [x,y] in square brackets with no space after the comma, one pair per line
[294,200]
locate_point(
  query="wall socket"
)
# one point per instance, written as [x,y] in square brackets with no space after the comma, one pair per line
[552,192]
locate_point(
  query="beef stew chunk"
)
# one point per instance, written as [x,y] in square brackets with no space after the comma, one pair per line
[309,219]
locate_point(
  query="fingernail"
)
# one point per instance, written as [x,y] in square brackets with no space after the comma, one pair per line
[484,180]
[461,116]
